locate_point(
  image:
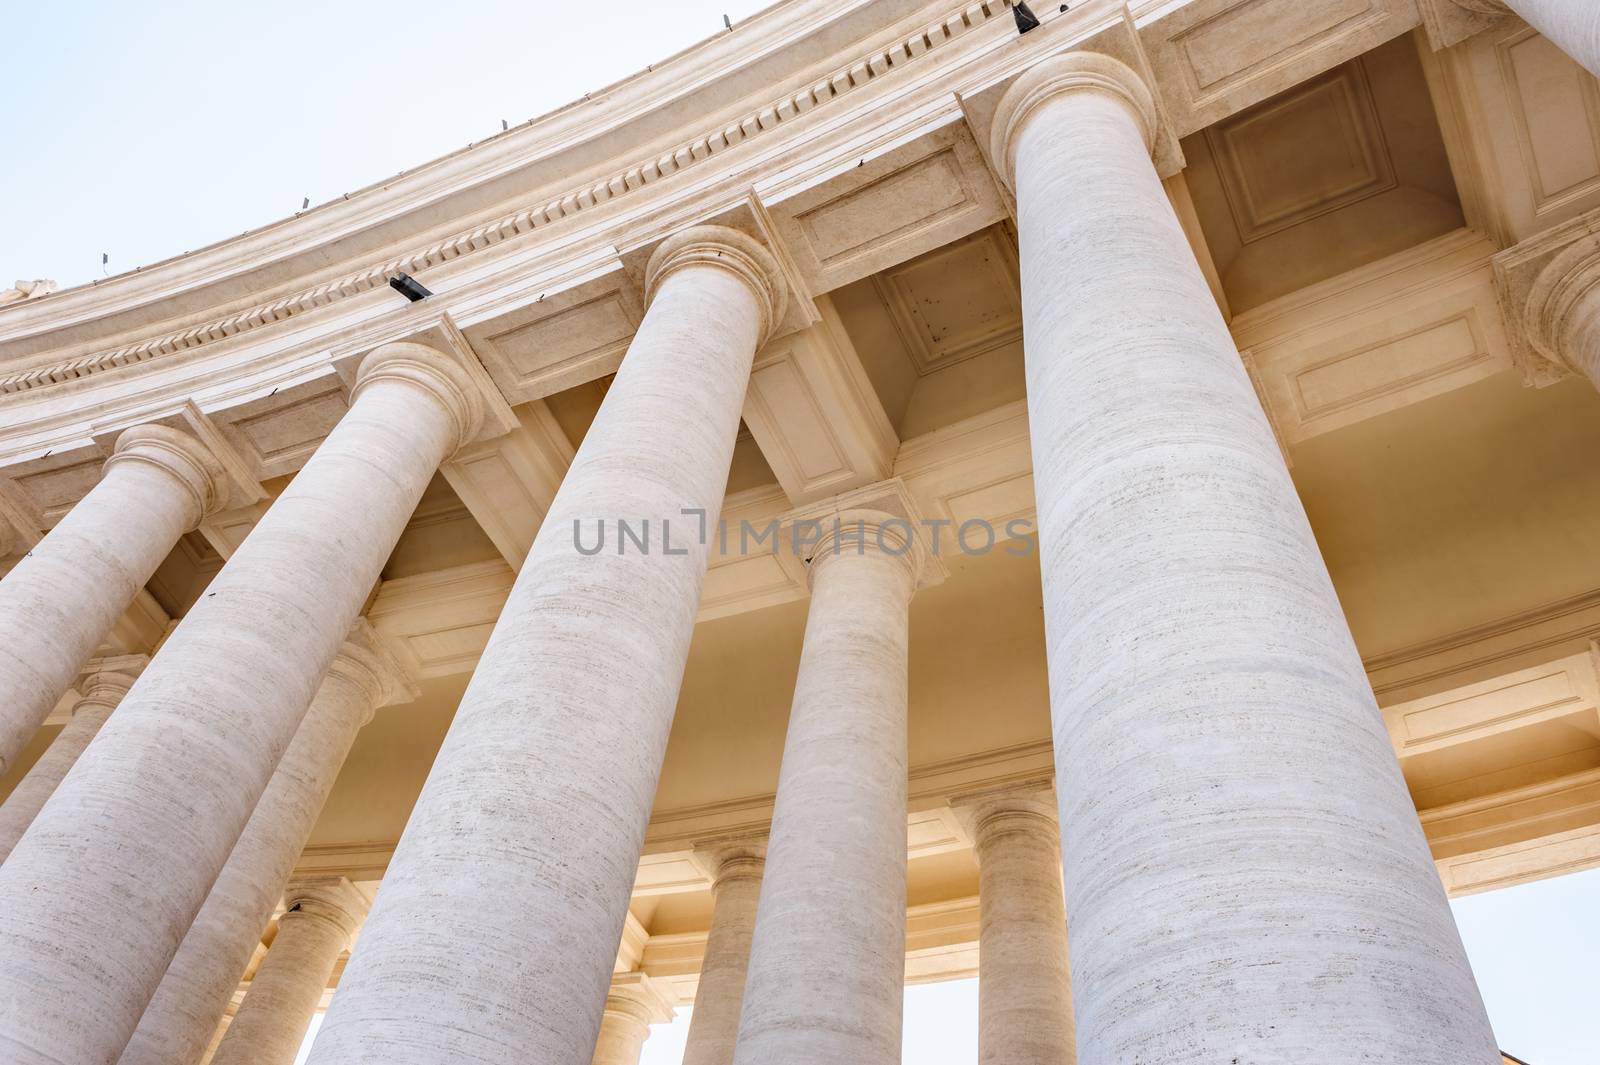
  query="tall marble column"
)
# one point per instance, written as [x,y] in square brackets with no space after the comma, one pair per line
[321,917]
[714,1023]
[97,896]
[102,691]
[496,931]
[827,962]
[61,599]
[631,1007]
[1218,748]
[1572,25]
[1024,988]
[194,994]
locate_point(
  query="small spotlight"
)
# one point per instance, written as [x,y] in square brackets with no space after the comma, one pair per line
[409,287]
[1026,19]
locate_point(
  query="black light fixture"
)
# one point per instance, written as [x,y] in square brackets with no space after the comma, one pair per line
[1026,19]
[409,287]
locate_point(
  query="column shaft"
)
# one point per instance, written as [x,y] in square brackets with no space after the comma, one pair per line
[272,1020]
[1024,988]
[61,599]
[102,693]
[194,994]
[1238,839]
[495,934]
[100,892]
[714,1024]
[827,963]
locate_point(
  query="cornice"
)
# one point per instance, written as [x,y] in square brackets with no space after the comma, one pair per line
[759,122]
[619,107]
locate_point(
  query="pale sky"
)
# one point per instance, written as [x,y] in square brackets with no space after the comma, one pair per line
[145,130]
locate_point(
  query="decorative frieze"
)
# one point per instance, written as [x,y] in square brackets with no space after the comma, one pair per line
[762,120]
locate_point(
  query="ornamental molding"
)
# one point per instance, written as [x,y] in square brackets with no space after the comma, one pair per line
[844,80]
[1540,282]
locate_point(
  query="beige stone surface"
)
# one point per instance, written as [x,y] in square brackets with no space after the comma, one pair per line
[321,917]
[1024,986]
[61,600]
[490,941]
[827,958]
[102,691]
[736,890]
[632,1006]
[1457,508]
[1551,287]
[180,1018]
[1175,551]
[1573,25]
[97,897]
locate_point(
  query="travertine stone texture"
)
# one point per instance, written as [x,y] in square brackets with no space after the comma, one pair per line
[271,1023]
[827,962]
[102,691]
[714,1023]
[495,934]
[1572,25]
[98,895]
[179,1021]
[62,598]
[1218,749]
[632,1006]
[1024,988]
[1562,309]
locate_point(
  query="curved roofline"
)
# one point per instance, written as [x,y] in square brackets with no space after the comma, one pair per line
[775,29]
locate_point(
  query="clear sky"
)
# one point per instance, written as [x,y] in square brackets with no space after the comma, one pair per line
[145,130]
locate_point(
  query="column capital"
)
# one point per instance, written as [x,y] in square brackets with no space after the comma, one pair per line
[104,687]
[737,858]
[190,462]
[634,996]
[857,533]
[1021,807]
[432,371]
[1056,76]
[380,679]
[729,249]
[332,899]
[881,517]
[1545,284]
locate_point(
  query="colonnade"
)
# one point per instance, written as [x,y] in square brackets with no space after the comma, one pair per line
[1218,749]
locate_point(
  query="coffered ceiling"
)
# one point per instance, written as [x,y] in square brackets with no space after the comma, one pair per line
[1339,171]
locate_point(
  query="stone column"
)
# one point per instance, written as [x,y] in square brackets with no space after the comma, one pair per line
[1024,988]
[827,963]
[631,1007]
[1553,279]
[714,1023]
[96,898]
[194,995]
[1236,831]
[102,691]
[61,599]
[496,931]
[1571,25]
[321,917]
